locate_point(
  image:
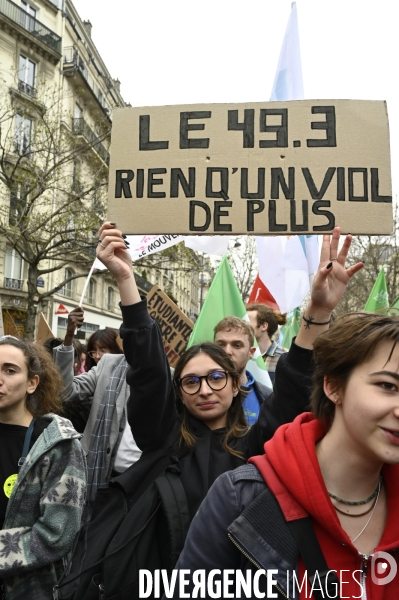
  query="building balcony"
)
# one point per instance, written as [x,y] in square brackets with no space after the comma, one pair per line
[80,127]
[13,284]
[74,63]
[27,89]
[22,21]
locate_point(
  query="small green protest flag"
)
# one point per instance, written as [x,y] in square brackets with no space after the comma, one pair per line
[291,328]
[378,299]
[396,303]
[223,300]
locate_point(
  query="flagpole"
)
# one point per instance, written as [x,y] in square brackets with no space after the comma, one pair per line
[86,284]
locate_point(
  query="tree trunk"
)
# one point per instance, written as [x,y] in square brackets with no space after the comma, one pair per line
[32,304]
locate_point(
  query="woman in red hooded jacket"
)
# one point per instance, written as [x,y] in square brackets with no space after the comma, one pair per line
[338,464]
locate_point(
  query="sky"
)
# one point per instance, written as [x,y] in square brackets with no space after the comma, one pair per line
[188,52]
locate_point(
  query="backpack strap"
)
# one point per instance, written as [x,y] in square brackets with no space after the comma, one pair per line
[309,548]
[174,501]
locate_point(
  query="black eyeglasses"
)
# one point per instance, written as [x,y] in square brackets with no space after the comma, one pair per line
[99,352]
[191,384]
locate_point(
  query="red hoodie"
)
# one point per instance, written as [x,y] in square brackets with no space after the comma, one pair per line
[291,471]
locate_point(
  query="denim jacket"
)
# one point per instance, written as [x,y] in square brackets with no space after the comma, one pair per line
[236,543]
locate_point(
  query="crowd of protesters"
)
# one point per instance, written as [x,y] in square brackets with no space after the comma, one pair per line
[322,444]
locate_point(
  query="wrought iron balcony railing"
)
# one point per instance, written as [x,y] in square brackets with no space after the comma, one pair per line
[80,127]
[30,24]
[13,284]
[26,89]
[74,62]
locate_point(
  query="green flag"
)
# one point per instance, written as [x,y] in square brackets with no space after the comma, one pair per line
[394,309]
[396,303]
[224,300]
[378,299]
[291,328]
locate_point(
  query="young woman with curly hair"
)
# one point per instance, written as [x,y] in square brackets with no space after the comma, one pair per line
[42,473]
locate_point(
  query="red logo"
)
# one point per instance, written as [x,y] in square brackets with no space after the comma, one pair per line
[61,310]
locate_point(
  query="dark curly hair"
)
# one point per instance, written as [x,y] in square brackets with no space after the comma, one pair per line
[265,314]
[47,396]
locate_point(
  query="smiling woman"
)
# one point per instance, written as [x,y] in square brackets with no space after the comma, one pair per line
[42,473]
[339,466]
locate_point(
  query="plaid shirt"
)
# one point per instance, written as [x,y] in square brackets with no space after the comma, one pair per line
[270,358]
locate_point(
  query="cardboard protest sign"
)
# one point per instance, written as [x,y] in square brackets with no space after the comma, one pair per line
[175,326]
[44,331]
[260,168]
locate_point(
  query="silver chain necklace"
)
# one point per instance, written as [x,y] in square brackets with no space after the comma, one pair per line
[371,516]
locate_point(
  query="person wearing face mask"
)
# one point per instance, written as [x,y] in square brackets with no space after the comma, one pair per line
[98,399]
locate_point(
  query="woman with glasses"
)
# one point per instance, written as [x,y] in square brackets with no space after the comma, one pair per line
[42,473]
[211,433]
[99,343]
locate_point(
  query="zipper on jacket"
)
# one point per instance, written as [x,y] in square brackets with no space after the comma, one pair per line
[363,574]
[256,564]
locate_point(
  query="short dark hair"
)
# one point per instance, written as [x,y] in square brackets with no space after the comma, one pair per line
[265,314]
[338,351]
[105,338]
[236,423]
[229,323]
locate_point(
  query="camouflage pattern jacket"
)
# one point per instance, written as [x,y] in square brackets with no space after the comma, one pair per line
[43,513]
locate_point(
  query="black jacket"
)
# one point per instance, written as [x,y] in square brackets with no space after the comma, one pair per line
[262,391]
[249,532]
[152,410]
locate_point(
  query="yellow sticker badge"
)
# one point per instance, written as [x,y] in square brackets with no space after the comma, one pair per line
[9,484]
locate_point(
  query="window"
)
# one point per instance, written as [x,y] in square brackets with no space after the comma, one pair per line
[110,299]
[78,114]
[23,134]
[91,294]
[76,187]
[13,270]
[13,214]
[87,328]
[67,290]
[17,204]
[27,76]
[27,16]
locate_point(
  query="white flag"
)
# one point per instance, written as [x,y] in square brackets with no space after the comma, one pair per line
[287,263]
[288,83]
